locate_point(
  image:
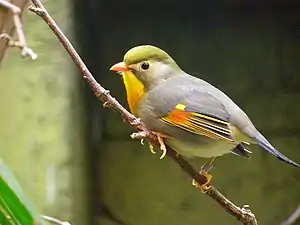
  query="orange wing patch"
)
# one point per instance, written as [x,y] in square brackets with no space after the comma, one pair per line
[178,116]
[198,123]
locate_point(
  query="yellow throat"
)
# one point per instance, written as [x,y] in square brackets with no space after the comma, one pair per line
[134,89]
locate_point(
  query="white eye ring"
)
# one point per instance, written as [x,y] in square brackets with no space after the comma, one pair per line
[145,66]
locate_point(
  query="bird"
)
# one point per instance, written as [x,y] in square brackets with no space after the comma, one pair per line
[190,115]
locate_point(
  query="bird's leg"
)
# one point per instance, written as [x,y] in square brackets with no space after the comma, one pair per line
[205,172]
[208,165]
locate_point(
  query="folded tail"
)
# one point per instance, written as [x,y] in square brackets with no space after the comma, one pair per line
[262,141]
[242,150]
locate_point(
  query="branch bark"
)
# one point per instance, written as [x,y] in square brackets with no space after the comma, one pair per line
[243,214]
[12,21]
[293,218]
[54,220]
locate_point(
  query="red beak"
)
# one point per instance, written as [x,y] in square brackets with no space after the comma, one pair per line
[119,67]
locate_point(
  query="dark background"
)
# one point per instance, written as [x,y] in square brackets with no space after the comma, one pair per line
[250,50]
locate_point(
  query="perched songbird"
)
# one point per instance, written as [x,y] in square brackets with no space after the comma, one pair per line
[190,115]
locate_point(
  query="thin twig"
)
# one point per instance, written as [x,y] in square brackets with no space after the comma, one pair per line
[10,6]
[54,220]
[293,218]
[243,214]
[21,42]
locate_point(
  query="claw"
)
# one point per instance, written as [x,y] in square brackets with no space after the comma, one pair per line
[151,148]
[142,142]
[164,150]
[162,146]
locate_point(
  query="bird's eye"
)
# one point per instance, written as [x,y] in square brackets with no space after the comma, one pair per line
[145,65]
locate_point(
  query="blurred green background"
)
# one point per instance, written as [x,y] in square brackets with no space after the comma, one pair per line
[76,160]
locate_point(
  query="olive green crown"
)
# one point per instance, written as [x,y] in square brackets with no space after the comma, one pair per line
[146,52]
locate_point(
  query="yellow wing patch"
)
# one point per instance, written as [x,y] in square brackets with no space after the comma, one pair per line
[198,123]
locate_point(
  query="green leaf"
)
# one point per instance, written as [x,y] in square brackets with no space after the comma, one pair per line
[15,206]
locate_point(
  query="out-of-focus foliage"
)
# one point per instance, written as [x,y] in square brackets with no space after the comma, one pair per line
[15,206]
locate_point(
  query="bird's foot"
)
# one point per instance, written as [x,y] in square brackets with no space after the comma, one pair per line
[207,185]
[205,172]
[136,121]
[162,146]
[142,135]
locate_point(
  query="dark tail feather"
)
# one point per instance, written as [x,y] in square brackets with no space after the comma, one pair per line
[262,141]
[242,150]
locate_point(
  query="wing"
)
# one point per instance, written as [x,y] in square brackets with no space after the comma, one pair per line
[192,105]
[189,119]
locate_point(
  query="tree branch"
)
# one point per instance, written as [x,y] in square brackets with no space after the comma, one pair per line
[21,42]
[293,218]
[243,214]
[54,220]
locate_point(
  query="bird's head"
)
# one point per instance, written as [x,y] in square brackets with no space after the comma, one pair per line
[149,64]
[142,68]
